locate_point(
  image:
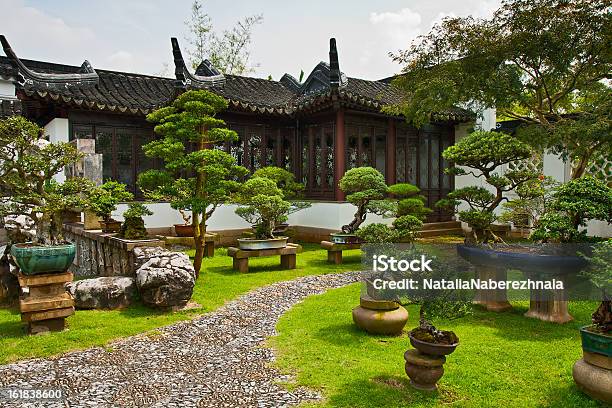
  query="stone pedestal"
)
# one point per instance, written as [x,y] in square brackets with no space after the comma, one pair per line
[549,307]
[380,316]
[424,370]
[492,300]
[47,304]
[593,380]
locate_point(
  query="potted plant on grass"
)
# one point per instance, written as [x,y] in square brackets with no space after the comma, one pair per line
[365,188]
[133,227]
[593,373]
[261,203]
[28,164]
[104,200]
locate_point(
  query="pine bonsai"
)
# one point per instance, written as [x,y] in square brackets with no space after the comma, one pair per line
[28,164]
[213,174]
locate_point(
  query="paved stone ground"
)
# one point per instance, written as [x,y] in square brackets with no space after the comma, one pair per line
[216,360]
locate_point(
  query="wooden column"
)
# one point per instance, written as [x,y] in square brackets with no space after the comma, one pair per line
[339,154]
[390,153]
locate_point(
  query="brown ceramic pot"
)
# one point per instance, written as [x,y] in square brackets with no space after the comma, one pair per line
[110,226]
[182,230]
[380,316]
[423,370]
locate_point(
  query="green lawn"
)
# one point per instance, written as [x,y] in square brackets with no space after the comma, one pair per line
[217,284]
[503,360]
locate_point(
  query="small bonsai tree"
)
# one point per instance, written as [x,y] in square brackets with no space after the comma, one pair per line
[285,180]
[482,153]
[28,163]
[104,199]
[262,204]
[533,200]
[600,274]
[365,188]
[409,211]
[572,205]
[190,122]
[134,226]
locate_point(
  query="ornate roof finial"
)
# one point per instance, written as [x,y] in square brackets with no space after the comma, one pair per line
[206,75]
[334,65]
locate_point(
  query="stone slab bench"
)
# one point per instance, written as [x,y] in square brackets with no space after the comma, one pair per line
[334,251]
[241,256]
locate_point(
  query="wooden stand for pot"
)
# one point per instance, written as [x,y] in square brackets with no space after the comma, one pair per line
[241,256]
[334,251]
[47,304]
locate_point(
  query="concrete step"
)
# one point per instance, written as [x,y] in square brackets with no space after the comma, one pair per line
[440,232]
[440,225]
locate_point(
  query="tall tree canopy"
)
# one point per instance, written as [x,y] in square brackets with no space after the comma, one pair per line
[228,51]
[543,62]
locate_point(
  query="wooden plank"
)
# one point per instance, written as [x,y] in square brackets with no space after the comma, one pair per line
[46,303]
[47,314]
[44,279]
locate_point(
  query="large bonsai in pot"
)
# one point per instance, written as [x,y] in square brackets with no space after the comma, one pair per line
[190,121]
[103,201]
[28,164]
[261,203]
[366,189]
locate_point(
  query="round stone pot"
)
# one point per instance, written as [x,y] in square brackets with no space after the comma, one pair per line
[342,238]
[433,349]
[594,381]
[182,230]
[252,244]
[380,316]
[37,259]
[423,370]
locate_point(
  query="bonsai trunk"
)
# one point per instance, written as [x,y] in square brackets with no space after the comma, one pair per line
[602,317]
[184,216]
[358,219]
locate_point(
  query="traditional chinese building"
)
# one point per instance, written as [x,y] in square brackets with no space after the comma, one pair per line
[317,129]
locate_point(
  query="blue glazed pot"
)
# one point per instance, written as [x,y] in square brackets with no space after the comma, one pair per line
[33,260]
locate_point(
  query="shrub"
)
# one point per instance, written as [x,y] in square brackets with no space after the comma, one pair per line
[134,227]
[104,199]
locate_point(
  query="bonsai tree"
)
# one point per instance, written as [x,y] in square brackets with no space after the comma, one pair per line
[365,188]
[572,205]
[409,212]
[262,204]
[482,153]
[533,200]
[544,63]
[600,274]
[285,180]
[134,227]
[104,199]
[190,121]
[28,163]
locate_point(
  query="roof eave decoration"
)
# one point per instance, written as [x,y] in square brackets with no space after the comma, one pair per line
[289,82]
[86,75]
[336,78]
[206,75]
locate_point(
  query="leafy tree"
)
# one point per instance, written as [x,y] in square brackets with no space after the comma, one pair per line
[28,163]
[104,199]
[228,51]
[285,180]
[572,205]
[480,154]
[190,121]
[542,62]
[261,203]
[366,189]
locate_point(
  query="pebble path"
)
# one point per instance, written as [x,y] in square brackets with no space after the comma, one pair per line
[215,360]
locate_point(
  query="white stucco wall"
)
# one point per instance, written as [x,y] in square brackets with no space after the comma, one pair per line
[7,90]
[58,131]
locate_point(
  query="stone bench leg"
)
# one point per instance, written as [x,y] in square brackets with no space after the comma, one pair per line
[492,300]
[334,257]
[241,265]
[209,249]
[288,261]
[549,307]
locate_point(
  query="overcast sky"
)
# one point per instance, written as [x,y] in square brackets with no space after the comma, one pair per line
[134,35]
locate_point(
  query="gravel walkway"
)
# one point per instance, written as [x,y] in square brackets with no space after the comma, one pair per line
[216,360]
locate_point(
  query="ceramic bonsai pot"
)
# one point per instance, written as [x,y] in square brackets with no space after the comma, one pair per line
[342,238]
[183,230]
[423,370]
[110,226]
[37,259]
[432,349]
[595,342]
[253,244]
[380,316]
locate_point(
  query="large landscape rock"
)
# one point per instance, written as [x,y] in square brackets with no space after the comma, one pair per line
[165,279]
[102,293]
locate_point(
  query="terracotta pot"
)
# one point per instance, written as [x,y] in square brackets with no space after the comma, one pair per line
[182,230]
[423,370]
[380,316]
[432,349]
[110,226]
